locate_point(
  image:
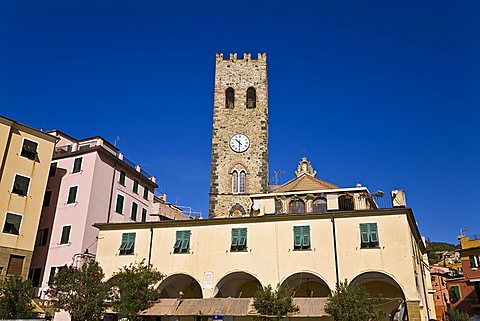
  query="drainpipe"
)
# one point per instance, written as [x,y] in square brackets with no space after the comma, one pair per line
[335,249]
[150,249]
[423,281]
[111,192]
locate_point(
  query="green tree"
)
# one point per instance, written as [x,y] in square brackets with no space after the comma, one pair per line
[79,290]
[133,289]
[274,303]
[457,315]
[352,303]
[15,301]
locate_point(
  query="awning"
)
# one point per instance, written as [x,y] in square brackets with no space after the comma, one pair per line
[217,306]
[163,307]
[37,308]
[310,307]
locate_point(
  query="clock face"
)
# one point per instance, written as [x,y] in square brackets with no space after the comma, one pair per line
[239,143]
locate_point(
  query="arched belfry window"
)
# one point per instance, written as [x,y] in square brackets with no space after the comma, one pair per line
[229,97]
[241,187]
[251,98]
[297,206]
[235,182]
[320,205]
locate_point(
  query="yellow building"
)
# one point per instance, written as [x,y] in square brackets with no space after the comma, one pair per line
[25,157]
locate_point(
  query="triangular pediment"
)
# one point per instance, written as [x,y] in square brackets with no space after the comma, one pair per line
[305,182]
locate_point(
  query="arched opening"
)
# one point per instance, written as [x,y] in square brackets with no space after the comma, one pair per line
[319,205]
[305,285]
[345,203]
[180,285]
[237,210]
[241,187]
[229,97]
[296,206]
[384,287]
[235,182]
[237,285]
[251,98]
[278,206]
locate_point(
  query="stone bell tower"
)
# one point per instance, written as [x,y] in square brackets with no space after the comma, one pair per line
[239,164]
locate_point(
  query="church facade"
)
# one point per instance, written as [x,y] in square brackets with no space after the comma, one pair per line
[307,234]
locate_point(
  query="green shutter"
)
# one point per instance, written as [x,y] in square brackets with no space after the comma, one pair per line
[133,216]
[119,205]
[373,232]
[297,236]
[122,178]
[65,234]
[235,236]
[243,239]
[72,195]
[364,233]
[128,243]
[306,237]
[145,192]
[77,165]
[135,186]
[144,214]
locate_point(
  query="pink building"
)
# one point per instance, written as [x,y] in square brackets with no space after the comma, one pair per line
[90,182]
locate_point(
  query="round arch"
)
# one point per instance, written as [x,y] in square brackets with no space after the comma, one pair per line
[383,286]
[237,285]
[306,284]
[180,285]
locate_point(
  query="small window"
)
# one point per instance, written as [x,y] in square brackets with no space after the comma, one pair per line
[127,246]
[369,235]
[42,237]
[72,194]
[133,216]
[77,165]
[29,149]
[65,238]
[297,206]
[241,187]
[144,214]
[182,242]
[320,205]
[53,170]
[251,98]
[235,182]
[135,186]
[84,147]
[12,224]
[122,178]
[15,265]
[455,293]
[119,205]
[145,192]
[301,237]
[239,240]
[47,198]
[345,203]
[475,261]
[278,206]
[20,185]
[229,97]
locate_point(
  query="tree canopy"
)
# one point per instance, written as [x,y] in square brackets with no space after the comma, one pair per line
[79,290]
[272,303]
[352,303]
[15,301]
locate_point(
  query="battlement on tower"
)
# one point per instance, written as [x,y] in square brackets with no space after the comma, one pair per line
[246,57]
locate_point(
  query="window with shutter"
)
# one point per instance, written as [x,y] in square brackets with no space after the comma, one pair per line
[121,180]
[53,170]
[119,205]
[239,240]
[77,165]
[182,242]
[135,186]
[144,214]
[72,194]
[127,246]
[12,224]
[20,185]
[301,237]
[369,235]
[29,149]
[65,238]
[15,265]
[133,216]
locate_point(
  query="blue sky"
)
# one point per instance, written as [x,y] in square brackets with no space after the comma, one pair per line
[377,92]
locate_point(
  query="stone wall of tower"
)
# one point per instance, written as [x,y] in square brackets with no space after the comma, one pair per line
[239,74]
